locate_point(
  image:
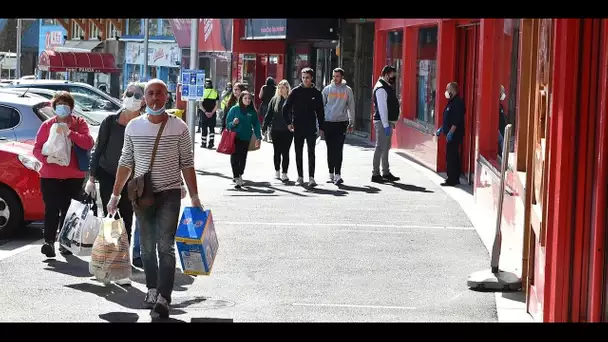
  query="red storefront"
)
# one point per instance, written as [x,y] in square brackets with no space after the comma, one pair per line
[555,75]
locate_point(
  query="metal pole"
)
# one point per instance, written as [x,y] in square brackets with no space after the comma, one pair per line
[193,66]
[18,66]
[496,247]
[146,36]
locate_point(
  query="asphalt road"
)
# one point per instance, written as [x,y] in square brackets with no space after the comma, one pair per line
[361,252]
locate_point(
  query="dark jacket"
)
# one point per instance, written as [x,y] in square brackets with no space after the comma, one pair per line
[300,109]
[108,147]
[274,118]
[392,102]
[453,115]
[502,119]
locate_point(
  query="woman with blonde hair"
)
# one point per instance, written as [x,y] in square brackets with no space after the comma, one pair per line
[280,134]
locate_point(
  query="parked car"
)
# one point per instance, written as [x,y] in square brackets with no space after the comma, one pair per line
[20,196]
[97,100]
[22,114]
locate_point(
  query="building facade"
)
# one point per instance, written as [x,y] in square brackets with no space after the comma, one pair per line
[555,79]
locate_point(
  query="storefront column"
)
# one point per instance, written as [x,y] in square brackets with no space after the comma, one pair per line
[379,62]
[561,156]
[446,73]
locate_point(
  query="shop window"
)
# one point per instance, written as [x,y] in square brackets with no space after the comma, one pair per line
[271,67]
[166,28]
[394,56]
[426,75]
[134,27]
[249,72]
[298,60]
[508,66]
[153,27]
[94,32]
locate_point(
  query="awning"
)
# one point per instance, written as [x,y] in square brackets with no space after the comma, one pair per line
[78,46]
[77,62]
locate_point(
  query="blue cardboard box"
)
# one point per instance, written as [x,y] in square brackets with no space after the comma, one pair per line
[196,241]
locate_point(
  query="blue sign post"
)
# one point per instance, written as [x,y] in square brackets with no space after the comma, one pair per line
[193,84]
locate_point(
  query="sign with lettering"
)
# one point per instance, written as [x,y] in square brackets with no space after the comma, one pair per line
[265,28]
[159,54]
[193,84]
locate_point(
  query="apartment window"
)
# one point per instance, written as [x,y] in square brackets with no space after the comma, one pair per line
[77,31]
[134,27]
[426,75]
[166,27]
[95,33]
[111,31]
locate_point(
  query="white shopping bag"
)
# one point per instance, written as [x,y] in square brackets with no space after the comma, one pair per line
[111,257]
[58,147]
[80,228]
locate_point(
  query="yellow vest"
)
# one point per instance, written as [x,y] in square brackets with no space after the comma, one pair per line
[210,94]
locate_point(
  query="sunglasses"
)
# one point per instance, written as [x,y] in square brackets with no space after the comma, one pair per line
[137,96]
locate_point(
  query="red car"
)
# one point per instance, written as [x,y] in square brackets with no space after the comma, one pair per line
[20,196]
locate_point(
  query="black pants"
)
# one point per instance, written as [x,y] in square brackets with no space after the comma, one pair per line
[335,134]
[57,195]
[453,161]
[298,142]
[125,208]
[239,157]
[207,126]
[281,142]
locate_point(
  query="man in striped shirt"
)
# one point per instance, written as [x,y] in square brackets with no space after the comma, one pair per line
[174,158]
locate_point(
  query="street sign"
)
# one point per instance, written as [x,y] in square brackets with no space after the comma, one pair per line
[193,84]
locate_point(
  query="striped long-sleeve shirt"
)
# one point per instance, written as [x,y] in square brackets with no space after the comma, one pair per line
[173,155]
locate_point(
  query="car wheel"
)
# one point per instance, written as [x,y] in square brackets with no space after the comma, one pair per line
[11,213]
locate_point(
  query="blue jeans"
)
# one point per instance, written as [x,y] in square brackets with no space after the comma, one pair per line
[136,241]
[157,226]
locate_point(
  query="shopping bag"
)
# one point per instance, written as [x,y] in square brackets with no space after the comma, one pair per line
[252,141]
[226,145]
[80,228]
[111,258]
[83,156]
[58,147]
[196,241]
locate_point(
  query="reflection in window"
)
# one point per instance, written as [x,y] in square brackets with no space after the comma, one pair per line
[134,27]
[166,28]
[426,75]
[508,80]
[153,27]
[394,56]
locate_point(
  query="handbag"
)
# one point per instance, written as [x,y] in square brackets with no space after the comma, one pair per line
[227,144]
[139,188]
[83,157]
[252,141]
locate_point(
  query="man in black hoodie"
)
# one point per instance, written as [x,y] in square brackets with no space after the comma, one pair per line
[302,111]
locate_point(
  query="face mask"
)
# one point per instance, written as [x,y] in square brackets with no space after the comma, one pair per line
[503,96]
[392,80]
[62,110]
[132,104]
[447,95]
[155,112]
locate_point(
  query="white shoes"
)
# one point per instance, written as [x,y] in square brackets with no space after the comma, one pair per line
[300,181]
[284,177]
[239,181]
[123,282]
[311,182]
[277,175]
[338,180]
[331,177]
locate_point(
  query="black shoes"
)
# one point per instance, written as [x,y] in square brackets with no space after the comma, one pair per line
[48,249]
[389,177]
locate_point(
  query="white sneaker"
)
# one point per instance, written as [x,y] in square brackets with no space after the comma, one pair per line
[331,177]
[277,175]
[311,182]
[300,181]
[239,181]
[284,177]
[123,282]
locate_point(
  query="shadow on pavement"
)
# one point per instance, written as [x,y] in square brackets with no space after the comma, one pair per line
[120,317]
[167,320]
[367,189]
[518,296]
[319,191]
[180,284]
[358,142]
[248,185]
[409,187]
[210,320]
[73,266]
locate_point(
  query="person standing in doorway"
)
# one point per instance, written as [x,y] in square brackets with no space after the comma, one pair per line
[453,128]
[105,156]
[207,113]
[502,119]
[339,104]
[386,115]
[174,159]
[303,112]
[280,134]
[243,120]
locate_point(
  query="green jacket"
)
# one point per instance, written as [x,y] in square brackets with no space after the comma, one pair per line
[248,123]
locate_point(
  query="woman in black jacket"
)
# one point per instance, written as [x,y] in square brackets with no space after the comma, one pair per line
[280,134]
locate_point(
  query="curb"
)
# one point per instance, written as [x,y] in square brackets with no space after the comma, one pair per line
[510,306]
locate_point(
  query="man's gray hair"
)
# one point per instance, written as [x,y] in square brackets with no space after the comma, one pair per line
[454,87]
[156,81]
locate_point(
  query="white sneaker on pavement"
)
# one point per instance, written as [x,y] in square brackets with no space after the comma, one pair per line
[338,180]
[300,181]
[123,282]
[277,175]
[331,177]
[311,182]
[284,177]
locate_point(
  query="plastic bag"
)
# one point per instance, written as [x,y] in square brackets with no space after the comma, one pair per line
[58,147]
[111,257]
[80,228]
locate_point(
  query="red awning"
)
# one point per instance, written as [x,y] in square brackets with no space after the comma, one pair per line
[77,62]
